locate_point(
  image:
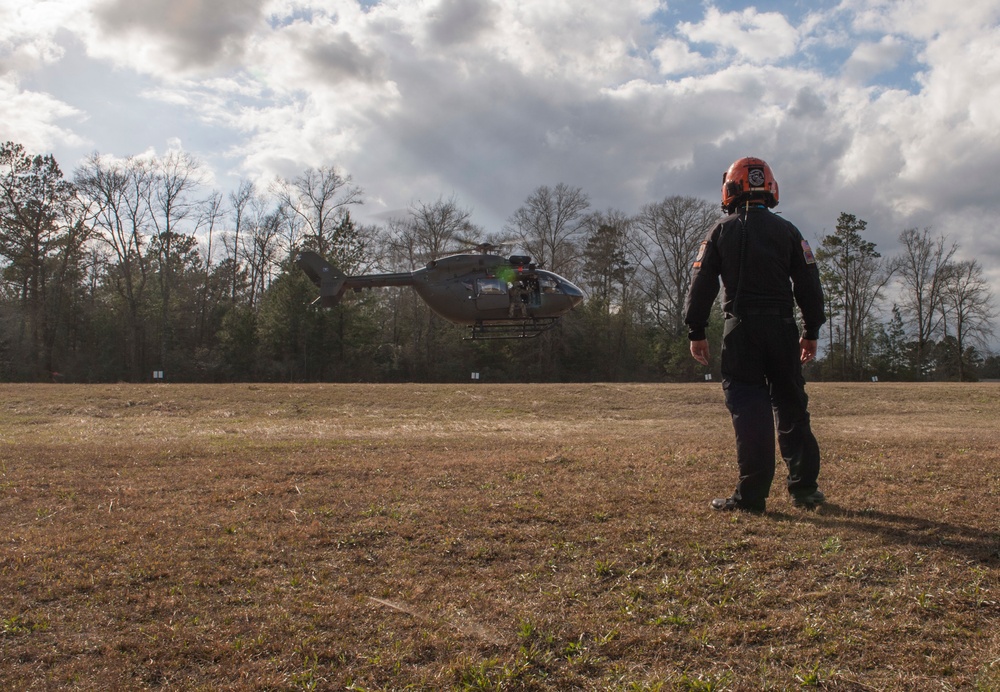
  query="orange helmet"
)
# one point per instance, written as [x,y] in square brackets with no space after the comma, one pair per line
[748,178]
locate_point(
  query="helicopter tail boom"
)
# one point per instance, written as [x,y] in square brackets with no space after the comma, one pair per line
[331,281]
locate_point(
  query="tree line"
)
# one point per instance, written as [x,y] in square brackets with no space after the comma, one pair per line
[136,266]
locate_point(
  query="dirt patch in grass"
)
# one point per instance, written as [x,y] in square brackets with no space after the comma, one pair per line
[489,537]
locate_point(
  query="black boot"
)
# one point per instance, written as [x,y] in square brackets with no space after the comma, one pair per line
[730,504]
[810,500]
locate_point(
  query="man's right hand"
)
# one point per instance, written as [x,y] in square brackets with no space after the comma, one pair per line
[699,351]
[807,350]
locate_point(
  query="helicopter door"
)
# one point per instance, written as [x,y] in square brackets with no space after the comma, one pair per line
[534,292]
[491,294]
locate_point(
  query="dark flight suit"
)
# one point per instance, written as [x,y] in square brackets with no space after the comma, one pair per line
[765,265]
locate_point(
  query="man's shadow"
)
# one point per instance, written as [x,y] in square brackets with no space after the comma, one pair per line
[975,544]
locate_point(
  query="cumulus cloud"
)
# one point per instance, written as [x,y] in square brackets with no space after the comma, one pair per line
[460,21]
[758,37]
[310,56]
[28,33]
[676,57]
[922,19]
[945,132]
[33,118]
[183,34]
[871,59]
[807,104]
[30,115]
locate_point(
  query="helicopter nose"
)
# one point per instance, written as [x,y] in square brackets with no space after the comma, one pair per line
[574,294]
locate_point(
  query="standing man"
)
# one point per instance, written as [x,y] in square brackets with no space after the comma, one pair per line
[766,268]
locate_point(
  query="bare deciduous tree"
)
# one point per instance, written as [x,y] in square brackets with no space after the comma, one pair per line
[550,226]
[253,243]
[441,227]
[119,191]
[260,248]
[175,180]
[239,201]
[210,214]
[667,235]
[967,302]
[430,231]
[318,199]
[922,268]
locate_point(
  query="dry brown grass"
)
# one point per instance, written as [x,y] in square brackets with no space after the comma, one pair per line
[489,537]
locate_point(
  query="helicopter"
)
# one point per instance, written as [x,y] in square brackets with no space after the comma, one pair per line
[496,297]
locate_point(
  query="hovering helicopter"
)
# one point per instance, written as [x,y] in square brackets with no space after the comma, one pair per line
[496,297]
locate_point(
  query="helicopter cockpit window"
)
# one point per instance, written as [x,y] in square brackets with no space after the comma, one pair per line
[491,287]
[548,285]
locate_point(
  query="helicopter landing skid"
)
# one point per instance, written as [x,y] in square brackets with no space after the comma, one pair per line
[526,328]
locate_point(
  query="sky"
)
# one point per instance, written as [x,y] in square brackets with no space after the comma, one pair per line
[885,109]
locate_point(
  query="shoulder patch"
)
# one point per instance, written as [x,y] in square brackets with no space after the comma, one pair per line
[807,253]
[701,254]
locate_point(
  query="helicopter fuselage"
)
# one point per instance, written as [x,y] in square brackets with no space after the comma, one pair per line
[468,289]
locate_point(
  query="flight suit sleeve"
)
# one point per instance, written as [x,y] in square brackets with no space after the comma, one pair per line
[807,288]
[704,287]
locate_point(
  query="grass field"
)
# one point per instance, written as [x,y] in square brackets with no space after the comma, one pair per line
[537,537]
